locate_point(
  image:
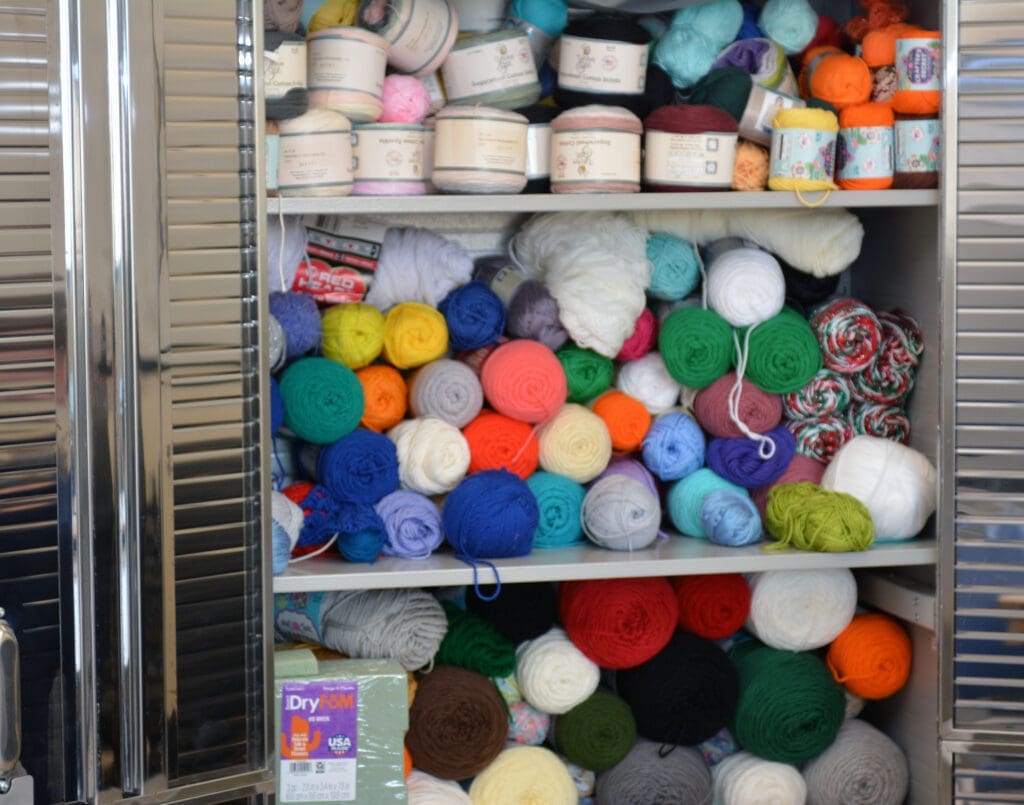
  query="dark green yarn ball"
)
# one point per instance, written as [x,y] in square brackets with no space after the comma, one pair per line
[696,345]
[598,733]
[587,374]
[473,643]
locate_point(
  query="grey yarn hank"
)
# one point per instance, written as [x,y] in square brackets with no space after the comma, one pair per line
[863,766]
[650,776]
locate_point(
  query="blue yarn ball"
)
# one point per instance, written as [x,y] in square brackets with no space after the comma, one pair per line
[323,520]
[686,55]
[490,515]
[673,447]
[276,408]
[299,317]
[548,80]
[361,532]
[730,518]
[475,316]
[282,549]
[361,467]
[718,21]
[559,500]
[686,497]
[738,460]
[749,29]
[791,23]
[551,16]
[676,267]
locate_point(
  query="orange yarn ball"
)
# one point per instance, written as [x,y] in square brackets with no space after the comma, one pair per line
[750,171]
[842,81]
[385,395]
[498,442]
[879,47]
[871,657]
[813,60]
[918,101]
[626,418]
[865,116]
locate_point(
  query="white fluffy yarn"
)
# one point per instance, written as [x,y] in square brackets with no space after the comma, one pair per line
[433,456]
[524,774]
[621,513]
[553,674]
[647,380]
[417,265]
[896,483]
[425,789]
[746,286]
[288,514]
[801,610]
[595,266]
[863,766]
[282,263]
[745,779]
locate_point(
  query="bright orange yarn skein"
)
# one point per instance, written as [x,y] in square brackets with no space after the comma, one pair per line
[918,101]
[626,418]
[386,397]
[879,47]
[814,58]
[842,81]
[498,442]
[871,657]
[868,115]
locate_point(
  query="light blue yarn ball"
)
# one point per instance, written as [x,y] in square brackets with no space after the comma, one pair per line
[686,498]
[686,55]
[559,500]
[551,16]
[730,518]
[282,549]
[719,21]
[676,267]
[673,447]
[791,23]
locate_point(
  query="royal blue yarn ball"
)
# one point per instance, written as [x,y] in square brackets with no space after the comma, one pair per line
[323,517]
[739,461]
[730,518]
[282,549]
[490,515]
[673,447]
[299,317]
[276,408]
[749,29]
[361,467]
[475,316]
[361,532]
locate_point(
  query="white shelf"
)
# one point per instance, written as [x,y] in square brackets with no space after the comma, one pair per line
[547,202]
[675,556]
[898,595]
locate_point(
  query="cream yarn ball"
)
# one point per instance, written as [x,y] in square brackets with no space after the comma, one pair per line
[801,610]
[746,286]
[646,379]
[433,456]
[425,789]
[745,779]
[575,443]
[288,514]
[524,774]
[553,674]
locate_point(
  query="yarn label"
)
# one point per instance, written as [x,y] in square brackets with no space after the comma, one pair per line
[601,66]
[392,154]
[865,153]
[284,69]
[297,616]
[483,144]
[343,256]
[471,73]
[320,159]
[804,154]
[338,63]
[919,64]
[505,284]
[917,146]
[762,106]
[417,32]
[319,741]
[538,151]
[706,160]
[595,156]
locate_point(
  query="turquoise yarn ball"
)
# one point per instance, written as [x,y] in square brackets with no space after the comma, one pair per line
[719,21]
[551,16]
[686,55]
[676,267]
[686,499]
[323,399]
[559,500]
[791,23]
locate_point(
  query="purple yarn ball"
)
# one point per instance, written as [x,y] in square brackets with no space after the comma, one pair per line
[412,524]
[631,468]
[739,461]
[745,54]
[299,317]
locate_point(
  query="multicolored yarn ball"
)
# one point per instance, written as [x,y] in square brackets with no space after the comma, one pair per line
[553,674]
[621,514]
[730,518]
[863,765]
[820,438]
[625,417]
[712,606]
[757,409]
[783,353]
[890,379]
[696,345]
[575,443]
[587,373]
[352,334]
[801,610]
[523,379]
[323,400]
[412,524]
[673,447]
[385,397]
[498,442]
[676,267]
[474,314]
[902,336]
[686,498]
[508,688]
[528,726]
[597,733]
[414,334]
[361,467]
[405,99]
[807,517]
[618,623]
[718,747]
[299,318]
[849,334]
[885,421]
[648,774]
[643,339]
[559,500]
[433,456]
[827,393]
[524,774]
[489,515]
[647,380]
[473,643]
[871,657]
[742,462]
[743,778]
[521,612]
[448,390]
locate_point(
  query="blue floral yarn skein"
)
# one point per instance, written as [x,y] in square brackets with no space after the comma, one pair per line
[361,467]
[490,515]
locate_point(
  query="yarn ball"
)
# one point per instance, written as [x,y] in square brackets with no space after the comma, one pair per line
[457,723]
[806,289]
[519,611]
[791,23]
[863,765]
[425,789]
[685,54]
[575,443]
[643,339]
[281,548]
[498,442]
[559,500]
[789,708]
[299,317]
[649,775]
[849,334]
[827,393]
[551,16]
[405,98]
[758,410]
[621,514]
[288,515]
[473,643]
[801,468]
[739,460]
[746,779]
[448,390]
[489,515]
[807,517]
[897,483]
[676,266]
[527,725]
[277,412]
[696,345]
[712,606]
[524,774]
[730,518]
[746,286]
[871,657]
[718,20]
[319,515]
[385,397]
[647,380]
[625,417]
[783,353]
[414,334]
[433,456]
[801,610]
[553,674]
[726,88]
[352,334]
[683,695]
[631,468]
[597,733]
[323,400]
[751,168]
[673,447]
[532,310]
[587,374]
[524,380]
[618,623]
[474,314]
[361,467]
[363,536]
[412,524]
[417,265]
[686,499]
[842,81]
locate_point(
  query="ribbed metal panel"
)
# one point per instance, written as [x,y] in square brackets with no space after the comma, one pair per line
[985,778]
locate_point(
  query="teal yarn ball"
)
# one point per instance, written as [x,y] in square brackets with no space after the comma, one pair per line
[676,267]
[686,499]
[551,16]
[685,54]
[559,501]
[323,399]
[719,21]
[791,23]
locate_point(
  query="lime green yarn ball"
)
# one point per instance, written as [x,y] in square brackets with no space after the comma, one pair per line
[352,334]
[587,374]
[696,345]
[784,353]
[598,733]
[323,399]
[474,644]
[810,518]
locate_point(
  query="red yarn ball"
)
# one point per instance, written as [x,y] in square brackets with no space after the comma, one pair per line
[801,468]
[758,410]
[618,623]
[297,492]
[643,339]
[714,606]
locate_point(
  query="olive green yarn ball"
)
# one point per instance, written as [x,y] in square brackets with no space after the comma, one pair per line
[810,518]
[598,733]
[323,399]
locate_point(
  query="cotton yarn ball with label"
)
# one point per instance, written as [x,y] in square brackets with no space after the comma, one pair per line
[448,390]
[689,119]
[597,733]
[553,674]
[801,610]
[621,514]
[361,467]
[712,606]
[412,524]
[299,317]
[647,774]
[353,334]
[490,514]
[559,500]
[384,395]
[743,778]
[871,657]
[498,442]
[863,765]
[525,381]
[323,400]
[673,447]
[685,500]
[408,44]
[676,266]
[575,443]
[804,516]
[524,774]
[432,455]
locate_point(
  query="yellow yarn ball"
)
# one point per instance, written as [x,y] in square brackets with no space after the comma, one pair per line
[809,120]
[333,13]
[414,334]
[524,774]
[575,443]
[353,334]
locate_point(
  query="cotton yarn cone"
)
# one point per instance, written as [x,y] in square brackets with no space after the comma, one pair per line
[804,516]
[523,379]
[474,644]
[871,657]
[498,442]
[489,515]
[863,766]
[519,611]
[696,345]
[385,397]
[323,400]
[553,674]
[414,334]
[352,334]
[758,410]
[712,606]
[587,374]
[801,610]
[524,774]
[575,443]
[745,779]
[647,776]
[626,419]
[597,733]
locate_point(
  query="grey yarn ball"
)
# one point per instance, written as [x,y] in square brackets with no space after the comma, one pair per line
[863,766]
[275,344]
[448,390]
[643,777]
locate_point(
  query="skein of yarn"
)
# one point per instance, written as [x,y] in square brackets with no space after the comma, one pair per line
[801,610]
[841,81]
[361,467]
[643,339]
[791,23]
[553,674]
[803,150]
[758,410]
[730,518]
[524,774]
[646,379]
[598,733]
[405,100]
[676,266]
[420,32]
[918,73]
[673,447]
[521,612]
[621,514]
[686,499]
[473,643]
[448,390]
[475,316]
[689,148]
[712,606]
[587,374]
[751,171]
[689,48]
[385,396]
[315,155]
[490,514]
[532,311]
[299,318]
[863,765]
[783,353]
[575,443]
[746,286]
[647,775]
[412,524]
[493,69]
[559,500]
[696,345]
[433,456]
[625,417]
[417,265]
[389,159]
[596,149]
[742,461]
[801,468]
[346,72]
[498,442]
[763,59]
[523,379]
[871,657]
[323,400]
[746,779]
[865,147]
[479,149]
[353,334]
[804,516]
[414,334]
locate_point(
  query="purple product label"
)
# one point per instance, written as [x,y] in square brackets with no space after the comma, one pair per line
[918,64]
[865,153]
[319,741]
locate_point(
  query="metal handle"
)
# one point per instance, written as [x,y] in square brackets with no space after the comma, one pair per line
[10,705]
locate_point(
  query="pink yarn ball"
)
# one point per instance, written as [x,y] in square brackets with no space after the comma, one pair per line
[643,339]
[801,468]
[758,410]
[405,100]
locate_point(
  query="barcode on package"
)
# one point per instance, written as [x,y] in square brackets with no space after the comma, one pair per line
[300,768]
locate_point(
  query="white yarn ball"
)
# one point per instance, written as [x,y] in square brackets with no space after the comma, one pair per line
[417,265]
[553,674]
[745,779]
[896,483]
[621,513]
[425,789]
[801,610]
[294,240]
[647,380]
[288,514]
[746,286]
[433,456]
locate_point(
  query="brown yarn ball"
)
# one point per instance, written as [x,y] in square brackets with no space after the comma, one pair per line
[457,723]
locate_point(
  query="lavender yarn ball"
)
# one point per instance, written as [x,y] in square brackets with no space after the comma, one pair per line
[730,518]
[299,317]
[739,461]
[631,468]
[412,524]
[674,446]
[475,316]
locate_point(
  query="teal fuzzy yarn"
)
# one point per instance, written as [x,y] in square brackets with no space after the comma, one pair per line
[791,23]
[730,518]
[551,16]
[676,267]
[719,20]
[559,500]
[323,399]
[686,499]
[685,54]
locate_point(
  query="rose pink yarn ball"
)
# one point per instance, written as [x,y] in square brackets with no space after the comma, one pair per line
[643,339]
[801,468]
[405,100]
[758,410]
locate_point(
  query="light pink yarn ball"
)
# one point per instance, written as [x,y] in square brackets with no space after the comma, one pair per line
[405,99]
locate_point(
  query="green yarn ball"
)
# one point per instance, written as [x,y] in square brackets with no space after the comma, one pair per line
[810,518]
[727,88]
[598,733]
[586,373]
[474,644]
[323,399]
[696,345]
[784,353]
[790,708]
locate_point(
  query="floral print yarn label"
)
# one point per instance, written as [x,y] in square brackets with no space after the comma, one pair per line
[917,146]
[803,154]
[865,152]
[918,64]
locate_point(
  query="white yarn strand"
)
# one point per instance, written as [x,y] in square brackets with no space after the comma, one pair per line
[765,446]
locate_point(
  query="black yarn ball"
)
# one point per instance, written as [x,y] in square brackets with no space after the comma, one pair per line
[520,612]
[806,289]
[658,88]
[685,694]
